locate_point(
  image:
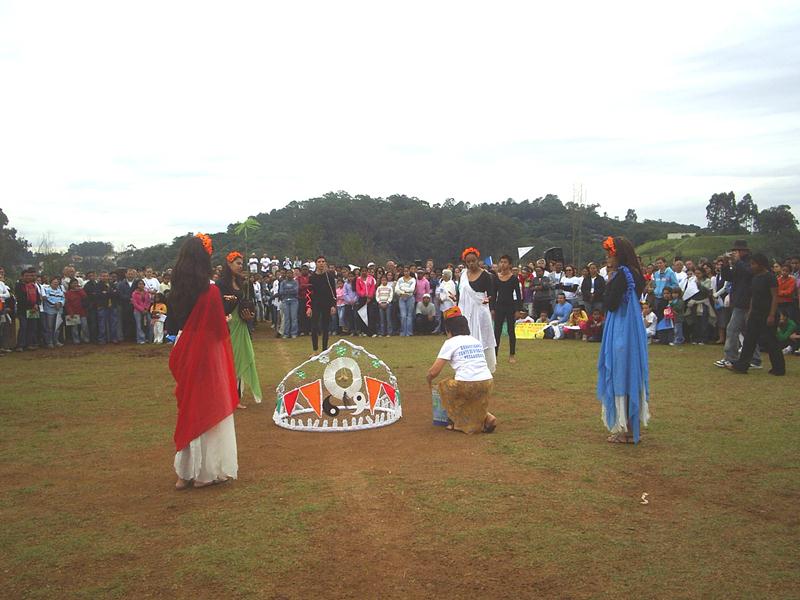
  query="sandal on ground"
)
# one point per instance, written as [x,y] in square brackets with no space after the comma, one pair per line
[620,438]
[208,483]
[183,484]
[450,425]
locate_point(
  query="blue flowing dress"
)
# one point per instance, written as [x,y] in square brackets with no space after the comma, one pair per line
[622,382]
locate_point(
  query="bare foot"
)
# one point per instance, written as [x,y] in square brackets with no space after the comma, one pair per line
[512,359]
[182,484]
[489,423]
[241,405]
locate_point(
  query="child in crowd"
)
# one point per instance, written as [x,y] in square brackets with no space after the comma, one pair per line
[787,334]
[75,309]
[340,305]
[543,317]
[140,298]
[650,319]
[678,308]
[524,317]
[593,328]
[665,328]
[575,323]
[52,303]
[159,316]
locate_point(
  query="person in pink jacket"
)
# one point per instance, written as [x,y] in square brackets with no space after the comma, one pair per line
[141,301]
[423,286]
[365,288]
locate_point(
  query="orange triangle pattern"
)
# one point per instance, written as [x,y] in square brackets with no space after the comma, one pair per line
[313,393]
[373,391]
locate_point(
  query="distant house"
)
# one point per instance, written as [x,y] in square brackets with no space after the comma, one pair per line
[680,236]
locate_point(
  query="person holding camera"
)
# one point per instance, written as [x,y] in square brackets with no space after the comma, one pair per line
[237,296]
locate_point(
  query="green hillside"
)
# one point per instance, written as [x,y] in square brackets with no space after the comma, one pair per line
[711,246]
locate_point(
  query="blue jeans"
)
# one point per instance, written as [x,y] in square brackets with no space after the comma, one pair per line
[142,320]
[407,306]
[679,333]
[50,331]
[386,327]
[341,320]
[290,325]
[28,331]
[80,332]
[107,325]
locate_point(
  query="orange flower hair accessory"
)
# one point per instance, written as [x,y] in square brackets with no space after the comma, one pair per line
[609,246]
[470,250]
[206,239]
[232,256]
[451,312]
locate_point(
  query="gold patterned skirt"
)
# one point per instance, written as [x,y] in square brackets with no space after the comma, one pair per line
[466,402]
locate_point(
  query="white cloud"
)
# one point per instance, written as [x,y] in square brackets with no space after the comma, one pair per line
[137,122]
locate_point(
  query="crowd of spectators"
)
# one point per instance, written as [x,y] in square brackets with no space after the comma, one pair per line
[684,302]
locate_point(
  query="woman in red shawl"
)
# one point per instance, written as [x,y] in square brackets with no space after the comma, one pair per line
[202,365]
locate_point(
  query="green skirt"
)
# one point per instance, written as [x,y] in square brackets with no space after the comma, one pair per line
[244,359]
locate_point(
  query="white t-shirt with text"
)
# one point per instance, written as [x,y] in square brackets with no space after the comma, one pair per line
[465,355]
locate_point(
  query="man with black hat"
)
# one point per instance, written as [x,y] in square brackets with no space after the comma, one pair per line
[741,277]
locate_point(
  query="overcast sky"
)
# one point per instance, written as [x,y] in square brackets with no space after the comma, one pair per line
[134,122]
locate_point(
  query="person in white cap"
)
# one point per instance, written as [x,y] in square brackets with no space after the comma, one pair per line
[425,315]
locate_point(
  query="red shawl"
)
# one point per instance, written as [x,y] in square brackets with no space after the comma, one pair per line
[202,365]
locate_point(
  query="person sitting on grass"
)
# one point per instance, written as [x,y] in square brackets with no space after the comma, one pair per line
[466,396]
[524,317]
[577,319]
[425,320]
[787,335]
[543,318]
[649,319]
[761,320]
[592,328]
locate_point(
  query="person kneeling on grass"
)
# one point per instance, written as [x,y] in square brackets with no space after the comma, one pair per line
[466,396]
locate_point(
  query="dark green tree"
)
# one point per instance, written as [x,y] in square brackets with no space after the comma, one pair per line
[747,214]
[777,220]
[14,250]
[631,216]
[721,214]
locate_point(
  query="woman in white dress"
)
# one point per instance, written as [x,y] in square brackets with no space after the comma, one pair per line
[475,289]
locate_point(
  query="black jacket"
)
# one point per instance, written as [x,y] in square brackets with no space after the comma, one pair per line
[741,279]
[599,290]
[22,298]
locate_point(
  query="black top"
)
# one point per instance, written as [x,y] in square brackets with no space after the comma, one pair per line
[741,279]
[615,289]
[484,283]
[227,289]
[761,285]
[507,294]
[322,290]
[599,289]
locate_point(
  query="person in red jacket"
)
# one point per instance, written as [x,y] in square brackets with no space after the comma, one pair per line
[76,303]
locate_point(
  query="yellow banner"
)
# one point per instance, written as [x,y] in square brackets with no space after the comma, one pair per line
[530,331]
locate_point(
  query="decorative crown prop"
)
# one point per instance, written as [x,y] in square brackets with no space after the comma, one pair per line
[344,388]
[609,246]
[232,256]
[206,242]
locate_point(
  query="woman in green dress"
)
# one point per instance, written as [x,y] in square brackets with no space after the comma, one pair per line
[237,294]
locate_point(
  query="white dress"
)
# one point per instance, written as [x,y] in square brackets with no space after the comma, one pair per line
[211,455]
[479,318]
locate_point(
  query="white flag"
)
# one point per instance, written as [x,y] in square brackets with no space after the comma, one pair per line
[362,312]
[524,250]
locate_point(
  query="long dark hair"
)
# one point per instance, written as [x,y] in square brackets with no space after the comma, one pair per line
[626,257]
[190,278]
[227,275]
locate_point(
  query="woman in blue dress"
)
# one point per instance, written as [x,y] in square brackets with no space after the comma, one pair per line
[622,383]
